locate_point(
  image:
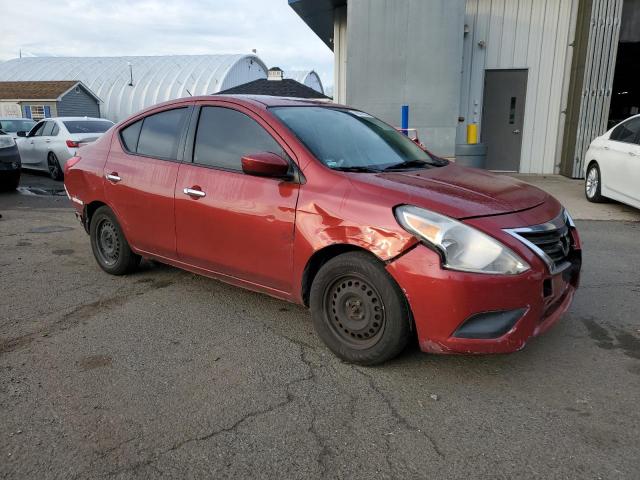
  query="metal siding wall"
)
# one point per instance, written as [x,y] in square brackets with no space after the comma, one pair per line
[531,34]
[78,104]
[598,76]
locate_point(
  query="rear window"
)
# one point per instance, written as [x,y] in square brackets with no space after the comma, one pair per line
[160,134]
[88,126]
[13,126]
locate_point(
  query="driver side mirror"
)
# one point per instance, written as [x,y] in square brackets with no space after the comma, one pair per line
[21,133]
[265,164]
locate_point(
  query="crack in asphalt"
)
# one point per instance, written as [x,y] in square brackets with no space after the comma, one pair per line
[289,398]
[401,420]
[77,314]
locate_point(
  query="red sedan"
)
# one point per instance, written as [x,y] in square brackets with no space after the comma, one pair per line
[329,207]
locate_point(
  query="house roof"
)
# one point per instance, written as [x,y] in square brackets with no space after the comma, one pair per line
[275,88]
[44,90]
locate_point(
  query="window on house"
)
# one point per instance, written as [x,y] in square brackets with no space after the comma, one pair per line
[38,112]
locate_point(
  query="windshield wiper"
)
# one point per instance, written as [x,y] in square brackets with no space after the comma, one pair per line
[360,169]
[408,164]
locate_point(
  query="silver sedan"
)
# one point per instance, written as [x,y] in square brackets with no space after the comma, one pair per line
[53,141]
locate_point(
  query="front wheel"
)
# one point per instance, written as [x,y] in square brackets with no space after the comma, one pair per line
[53,165]
[358,310]
[593,184]
[110,247]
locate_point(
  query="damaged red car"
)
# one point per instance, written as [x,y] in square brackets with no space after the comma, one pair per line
[329,207]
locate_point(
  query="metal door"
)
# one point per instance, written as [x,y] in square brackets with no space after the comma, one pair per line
[503,117]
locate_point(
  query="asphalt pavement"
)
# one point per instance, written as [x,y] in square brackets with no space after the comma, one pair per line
[166,374]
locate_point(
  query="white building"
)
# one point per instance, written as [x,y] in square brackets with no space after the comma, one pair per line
[128,84]
[307,77]
[539,79]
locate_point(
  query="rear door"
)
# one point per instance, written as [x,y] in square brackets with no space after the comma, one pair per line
[240,225]
[140,177]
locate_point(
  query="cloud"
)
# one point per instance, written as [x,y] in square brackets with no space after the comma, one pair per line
[156,27]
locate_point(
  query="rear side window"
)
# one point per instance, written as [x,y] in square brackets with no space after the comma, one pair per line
[627,132]
[224,136]
[55,129]
[160,134]
[130,136]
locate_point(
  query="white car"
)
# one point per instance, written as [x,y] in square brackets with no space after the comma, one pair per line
[612,165]
[11,126]
[53,141]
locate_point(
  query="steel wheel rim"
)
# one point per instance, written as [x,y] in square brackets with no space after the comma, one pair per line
[592,182]
[354,311]
[108,242]
[54,169]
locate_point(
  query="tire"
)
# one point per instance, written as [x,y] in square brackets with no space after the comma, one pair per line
[53,165]
[358,310]
[10,181]
[593,184]
[110,247]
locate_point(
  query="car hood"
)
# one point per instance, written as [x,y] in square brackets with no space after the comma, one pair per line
[458,192]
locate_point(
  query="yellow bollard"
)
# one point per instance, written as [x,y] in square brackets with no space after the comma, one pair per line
[472,133]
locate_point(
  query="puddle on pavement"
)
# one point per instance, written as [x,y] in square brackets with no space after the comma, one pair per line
[43,191]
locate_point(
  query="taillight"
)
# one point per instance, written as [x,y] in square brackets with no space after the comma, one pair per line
[72,144]
[70,163]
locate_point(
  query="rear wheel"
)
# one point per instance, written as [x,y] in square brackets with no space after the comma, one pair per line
[54,166]
[110,247]
[358,310]
[593,184]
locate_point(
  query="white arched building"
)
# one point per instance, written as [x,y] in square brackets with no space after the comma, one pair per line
[306,77]
[128,84]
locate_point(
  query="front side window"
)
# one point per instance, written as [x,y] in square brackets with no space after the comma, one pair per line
[224,136]
[37,130]
[627,132]
[87,126]
[353,140]
[160,134]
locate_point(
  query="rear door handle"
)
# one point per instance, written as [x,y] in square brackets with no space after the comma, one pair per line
[633,154]
[113,177]
[194,192]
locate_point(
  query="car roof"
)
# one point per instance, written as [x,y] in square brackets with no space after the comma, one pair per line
[260,101]
[77,118]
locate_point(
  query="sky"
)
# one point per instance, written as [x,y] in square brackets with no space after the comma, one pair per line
[156,27]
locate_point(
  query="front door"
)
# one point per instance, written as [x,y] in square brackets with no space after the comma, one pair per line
[503,118]
[228,222]
[28,146]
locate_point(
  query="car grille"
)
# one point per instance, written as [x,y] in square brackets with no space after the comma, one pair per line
[551,241]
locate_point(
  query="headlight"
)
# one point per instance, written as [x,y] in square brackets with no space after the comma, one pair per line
[6,141]
[462,247]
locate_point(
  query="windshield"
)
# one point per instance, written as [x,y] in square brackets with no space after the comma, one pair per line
[352,140]
[87,126]
[13,126]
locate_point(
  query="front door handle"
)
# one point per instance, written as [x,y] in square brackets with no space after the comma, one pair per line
[113,177]
[516,132]
[633,154]
[194,192]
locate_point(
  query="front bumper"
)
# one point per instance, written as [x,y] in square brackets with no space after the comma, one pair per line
[442,301]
